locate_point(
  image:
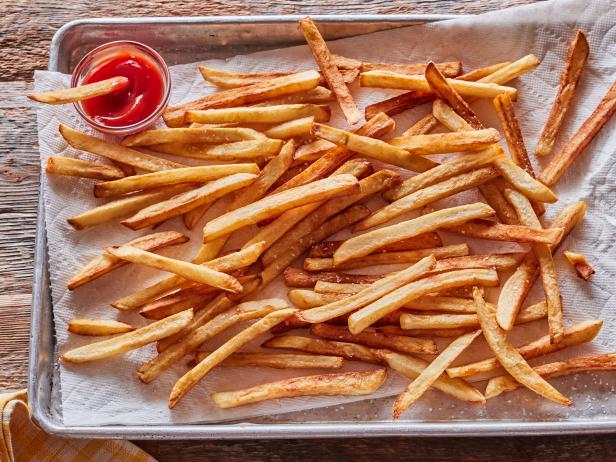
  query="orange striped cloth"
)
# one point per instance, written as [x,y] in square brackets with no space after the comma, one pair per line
[22,441]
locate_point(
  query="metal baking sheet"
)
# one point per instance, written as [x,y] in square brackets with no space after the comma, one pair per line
[184,40]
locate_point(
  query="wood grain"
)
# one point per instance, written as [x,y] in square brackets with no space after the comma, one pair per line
[26,29]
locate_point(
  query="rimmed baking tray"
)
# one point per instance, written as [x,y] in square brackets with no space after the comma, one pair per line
[184,40]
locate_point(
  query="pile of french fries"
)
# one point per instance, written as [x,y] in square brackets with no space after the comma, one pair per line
[263,142]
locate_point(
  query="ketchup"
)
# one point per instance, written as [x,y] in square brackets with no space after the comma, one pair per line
[132,104]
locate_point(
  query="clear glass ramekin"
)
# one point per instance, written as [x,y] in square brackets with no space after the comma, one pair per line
[101,53]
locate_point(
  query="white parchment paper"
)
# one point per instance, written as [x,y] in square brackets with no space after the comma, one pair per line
[108,392]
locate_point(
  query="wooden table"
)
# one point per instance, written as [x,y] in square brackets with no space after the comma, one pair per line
[26,29]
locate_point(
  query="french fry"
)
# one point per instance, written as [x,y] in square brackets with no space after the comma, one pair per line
[350,351]
[278,361]
[217,324]
[249,94]
[98,327]
[388,258]
[116,152]
[503,384]
[543,254]
[452,321]
[577,56]
[399,103]
[580,264]
[444,90]
[194,216]
[373,148]
[81,168]
[577,334]
[316,95]
[259,114]
[493,195]
[335,157]
[423,241]
[369,314]
[576,145]
[481,72]
[443,172]
[212,135]
[129,341]
[185,202]
[290,129]
[509,357]
[373,339]
[516,288]
[498,261]
[512,71]
[367,243]
[125,206]
[422,127]
[450,69]
[277,203]
[370,294]
[226,79]
[190,271]
[188,380]
[412,368]
[330,71]
[332,226]
[238,150]
[180,300]
[427,195]
[304,299]
[295,277]
[443,333]
[523,182]
[341,384]
[105,263]
[439,143]
[494,231]
[431,373]
[326,287]
[180,175]
[74,94]
[314,150]
[386,79]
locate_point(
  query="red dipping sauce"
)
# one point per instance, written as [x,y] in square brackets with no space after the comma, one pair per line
[132,108]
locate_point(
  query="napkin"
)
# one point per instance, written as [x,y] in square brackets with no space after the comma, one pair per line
[108,392]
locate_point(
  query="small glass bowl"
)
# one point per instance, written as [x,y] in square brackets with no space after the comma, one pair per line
[102,52]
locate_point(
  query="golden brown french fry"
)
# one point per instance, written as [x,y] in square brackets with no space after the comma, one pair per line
[398,103]
[580,264]
[210,328]
[74,94]
[370,294]
[516,288]
[388,258]
[278,361]
[258,114]
[188,380]
[185,202]
[450,69]
[290,129]
[314,150]
[498,261]
[214,135]
[190,271]
[125,206]
[341,384]
[277,203]
[427,195]
[403,344]
[386,79]
[373,148]
[439,143]
[491,192]
[116,152]
[492,230]
[180,175]
[367,243]
[330,71]
[511,71]
[431,373]
[98,327]
[81,168]
[443,333]
[422,127]
[523,182]
[577,56]
[316,95]
[369,314]
[294,277]
[442,172]
[249,94]
[505,383]
[509,357]
[226,79]
[350,351]
[572,149]
[345,288]
[129,341]
[180,300]
[239,150]
[577,334]
[481,72]
[543,254]
[105,263]
[304,299]
[423,241]
[412,368]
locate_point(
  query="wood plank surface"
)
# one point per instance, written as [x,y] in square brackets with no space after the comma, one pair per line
[26,29]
